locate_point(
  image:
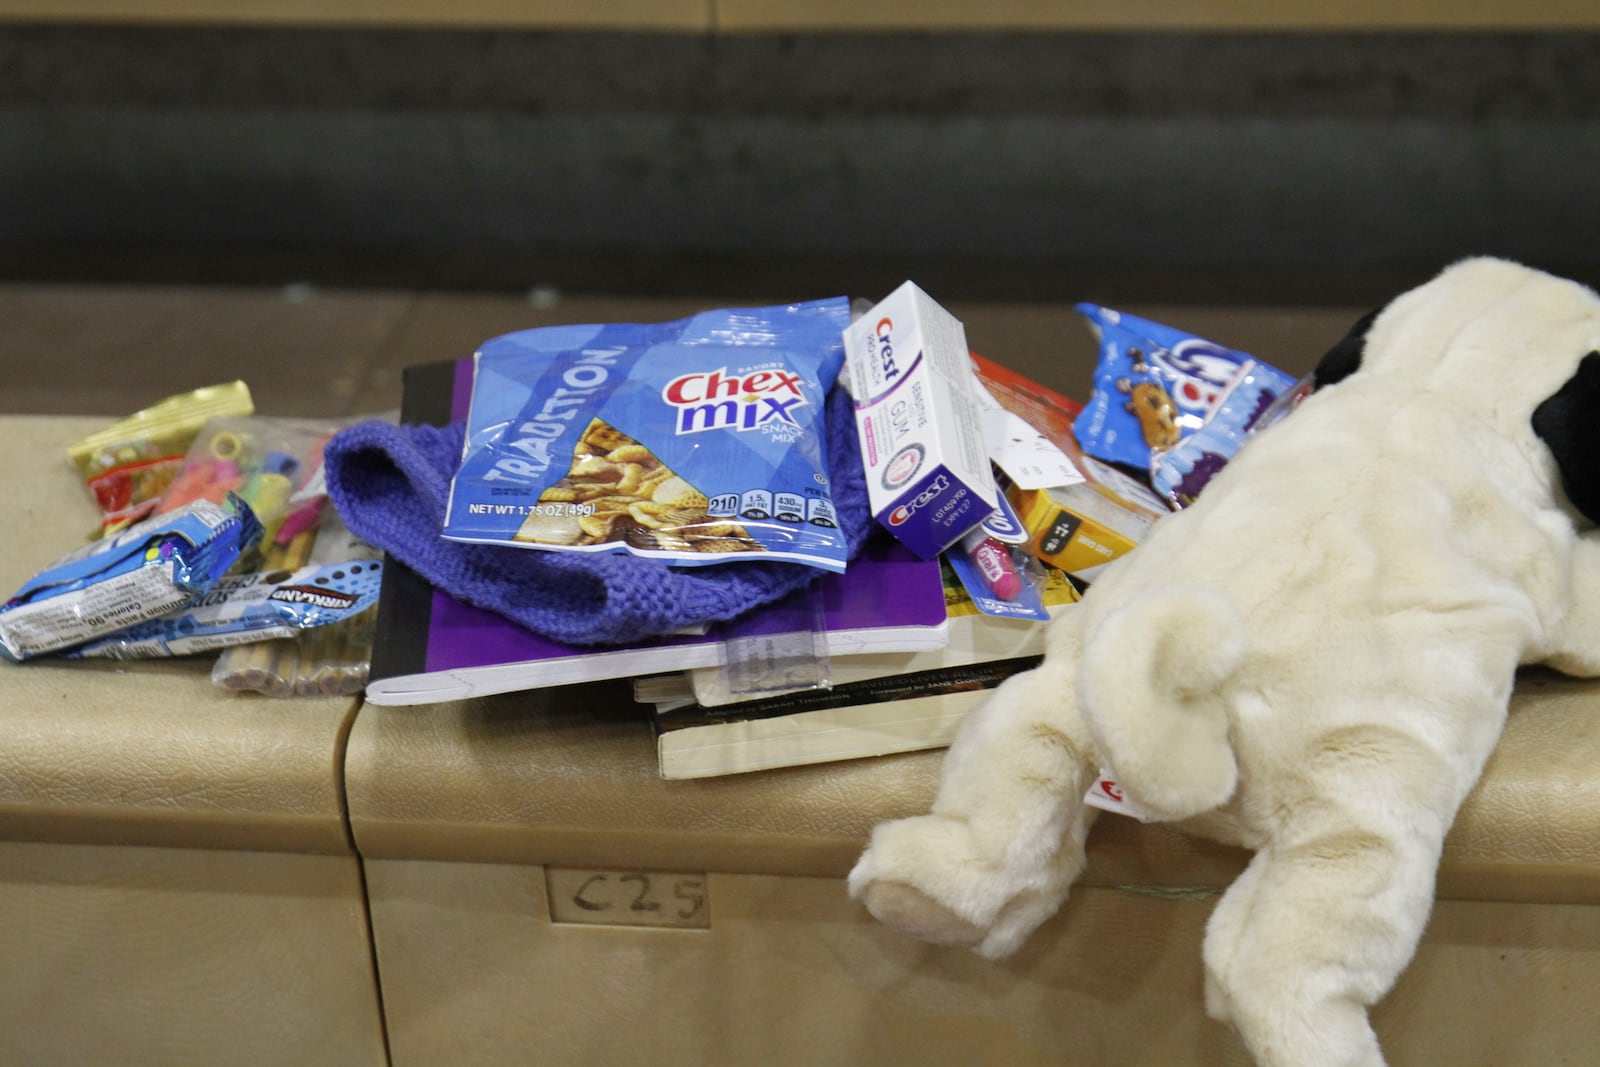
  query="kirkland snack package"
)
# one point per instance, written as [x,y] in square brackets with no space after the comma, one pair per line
[1154,385]
[696,441]
[246,608]
[146,570]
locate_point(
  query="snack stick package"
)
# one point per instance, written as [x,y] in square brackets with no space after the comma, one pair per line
[320,659]
[697,441]
[244,608]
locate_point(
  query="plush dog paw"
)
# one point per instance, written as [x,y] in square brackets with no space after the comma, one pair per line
[928,877]
[911,911]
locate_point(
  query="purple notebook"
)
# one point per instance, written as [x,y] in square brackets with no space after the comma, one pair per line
[430,647]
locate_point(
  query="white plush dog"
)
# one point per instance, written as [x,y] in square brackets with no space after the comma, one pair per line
[1313,661]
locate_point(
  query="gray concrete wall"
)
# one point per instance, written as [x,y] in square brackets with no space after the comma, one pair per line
[469,155]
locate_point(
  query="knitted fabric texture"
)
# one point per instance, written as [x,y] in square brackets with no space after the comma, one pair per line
[391,485]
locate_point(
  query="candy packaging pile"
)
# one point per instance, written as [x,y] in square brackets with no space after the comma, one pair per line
[216,538]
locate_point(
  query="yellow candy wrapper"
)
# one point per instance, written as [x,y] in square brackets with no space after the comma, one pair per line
[129,464]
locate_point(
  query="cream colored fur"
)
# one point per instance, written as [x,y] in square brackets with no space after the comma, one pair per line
[1314,661]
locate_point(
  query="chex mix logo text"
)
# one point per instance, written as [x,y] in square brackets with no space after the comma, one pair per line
[717,400]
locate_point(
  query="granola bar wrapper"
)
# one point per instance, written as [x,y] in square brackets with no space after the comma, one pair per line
[694,442]
[142,572]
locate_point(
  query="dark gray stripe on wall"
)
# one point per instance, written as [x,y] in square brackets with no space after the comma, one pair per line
[1055,150]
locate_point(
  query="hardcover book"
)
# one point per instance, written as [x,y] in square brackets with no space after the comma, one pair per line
[877,717]
[973,638]
[878,704]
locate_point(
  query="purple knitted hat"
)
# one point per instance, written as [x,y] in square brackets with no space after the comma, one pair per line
[390,484]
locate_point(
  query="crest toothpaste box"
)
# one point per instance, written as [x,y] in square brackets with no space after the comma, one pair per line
[920,423]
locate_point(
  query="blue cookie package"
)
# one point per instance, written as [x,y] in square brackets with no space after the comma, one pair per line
[1169,404]
[1153,386]
[1179,473]
[696,441]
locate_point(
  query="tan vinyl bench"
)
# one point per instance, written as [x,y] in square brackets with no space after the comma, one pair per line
[177,883]
[537,890]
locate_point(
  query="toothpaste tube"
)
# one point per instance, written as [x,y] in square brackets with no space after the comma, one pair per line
[919,420]
[999,576]
[146,570]
[245,608]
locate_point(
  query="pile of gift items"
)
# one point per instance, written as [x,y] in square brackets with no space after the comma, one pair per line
[603,484]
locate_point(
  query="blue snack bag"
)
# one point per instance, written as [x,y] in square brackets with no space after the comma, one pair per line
[696,441]
[245,608]
[1179,473]
[146,570]
[1154,385]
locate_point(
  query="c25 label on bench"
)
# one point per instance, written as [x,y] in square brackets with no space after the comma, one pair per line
[677,900]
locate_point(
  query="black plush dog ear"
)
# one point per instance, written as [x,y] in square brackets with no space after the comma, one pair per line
[1569,423]
[1344,358]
